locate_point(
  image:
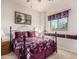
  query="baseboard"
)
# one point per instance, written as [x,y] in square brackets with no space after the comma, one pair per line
[69,50]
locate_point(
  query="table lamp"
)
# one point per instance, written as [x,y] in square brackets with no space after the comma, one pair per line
[2,34]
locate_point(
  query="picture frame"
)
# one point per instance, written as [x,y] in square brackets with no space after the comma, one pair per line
[22,18]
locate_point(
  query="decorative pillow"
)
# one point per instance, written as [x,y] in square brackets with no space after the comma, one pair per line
[18,35]
[31,34]
[25,34]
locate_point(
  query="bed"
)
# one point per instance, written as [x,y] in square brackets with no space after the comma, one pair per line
[27,46]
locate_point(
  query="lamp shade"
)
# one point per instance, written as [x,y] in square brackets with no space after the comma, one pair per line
[2,33]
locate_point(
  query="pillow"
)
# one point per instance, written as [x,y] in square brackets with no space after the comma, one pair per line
[31,34]
[18,35]
[25,34]
[21,34]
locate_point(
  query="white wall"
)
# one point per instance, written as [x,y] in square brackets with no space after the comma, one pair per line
[42,20]
[72,21]
[63,43]
[7,15]
[8,8]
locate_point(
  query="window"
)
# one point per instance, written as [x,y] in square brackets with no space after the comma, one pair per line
[63,24]
[54,24]
[59,21]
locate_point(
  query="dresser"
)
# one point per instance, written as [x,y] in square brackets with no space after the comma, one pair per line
[5,47]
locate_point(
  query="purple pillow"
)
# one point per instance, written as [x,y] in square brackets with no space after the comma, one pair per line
[31,34]
[21,34]
[18,35]
[25,34]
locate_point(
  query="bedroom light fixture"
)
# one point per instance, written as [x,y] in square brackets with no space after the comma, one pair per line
[50,0]
[39,0]
[28,0]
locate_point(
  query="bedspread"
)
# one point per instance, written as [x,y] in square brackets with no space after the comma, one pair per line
[35,48]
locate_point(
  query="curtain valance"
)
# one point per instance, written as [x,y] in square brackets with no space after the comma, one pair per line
[59,15]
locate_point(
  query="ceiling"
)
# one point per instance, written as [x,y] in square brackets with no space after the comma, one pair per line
[42,5]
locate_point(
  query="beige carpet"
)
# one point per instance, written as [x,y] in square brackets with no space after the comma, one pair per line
[60,55]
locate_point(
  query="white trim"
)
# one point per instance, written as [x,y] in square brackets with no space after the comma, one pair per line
[69,50]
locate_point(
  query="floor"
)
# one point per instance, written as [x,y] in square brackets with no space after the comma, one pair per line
[60,55]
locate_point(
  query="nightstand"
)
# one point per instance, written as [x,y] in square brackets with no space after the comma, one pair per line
[5,47]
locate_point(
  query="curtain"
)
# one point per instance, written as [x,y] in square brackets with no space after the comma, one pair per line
[59,15]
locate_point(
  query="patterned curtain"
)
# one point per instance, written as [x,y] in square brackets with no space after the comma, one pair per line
[59,15]
[49,18]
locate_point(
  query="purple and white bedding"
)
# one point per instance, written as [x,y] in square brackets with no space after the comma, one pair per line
[35,47]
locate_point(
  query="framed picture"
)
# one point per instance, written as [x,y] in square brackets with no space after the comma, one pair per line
[22,18]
